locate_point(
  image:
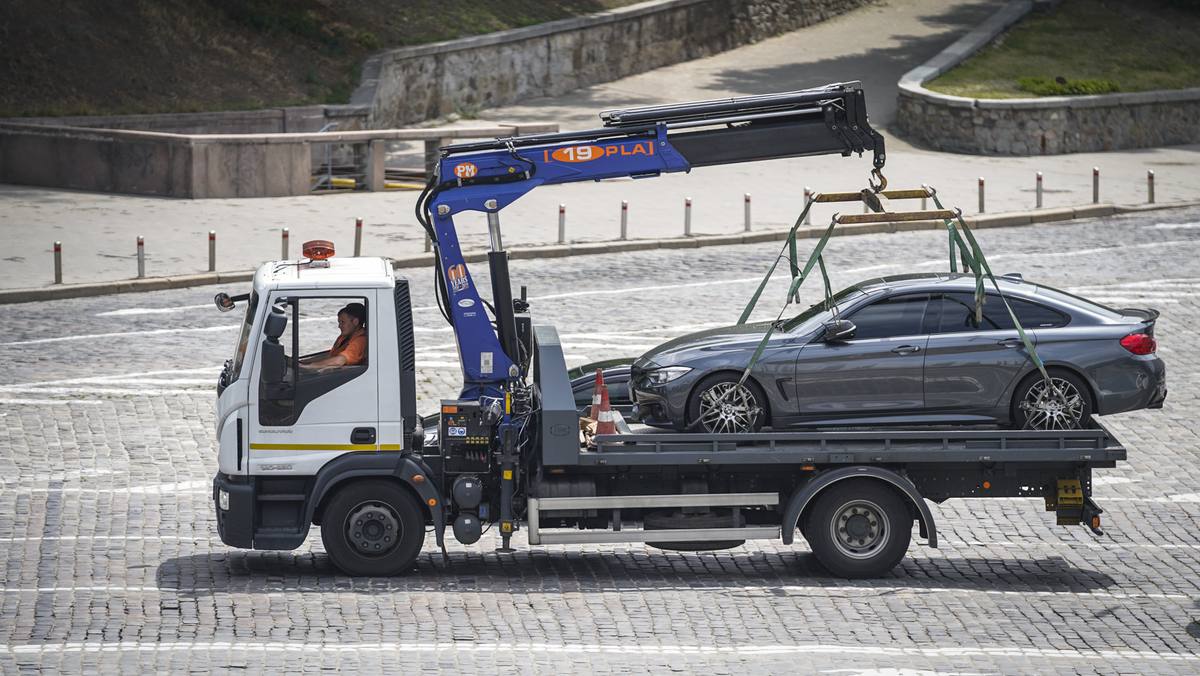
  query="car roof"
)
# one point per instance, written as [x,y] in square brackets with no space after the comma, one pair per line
[941,281]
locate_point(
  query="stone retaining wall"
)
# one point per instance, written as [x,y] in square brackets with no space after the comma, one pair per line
[1037,126]
[408,85]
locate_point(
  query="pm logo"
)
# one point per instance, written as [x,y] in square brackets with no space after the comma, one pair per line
[465,170]
[457,276]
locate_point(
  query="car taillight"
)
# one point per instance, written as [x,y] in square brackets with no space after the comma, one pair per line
[1139,343]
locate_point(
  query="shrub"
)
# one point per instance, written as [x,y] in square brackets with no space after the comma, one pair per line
[1060,86]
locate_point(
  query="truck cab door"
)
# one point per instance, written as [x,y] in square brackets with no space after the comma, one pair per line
[300,416]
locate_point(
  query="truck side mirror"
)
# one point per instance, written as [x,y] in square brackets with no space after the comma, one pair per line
[838,330]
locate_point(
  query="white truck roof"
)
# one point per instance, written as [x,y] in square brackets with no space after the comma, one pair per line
[346,272]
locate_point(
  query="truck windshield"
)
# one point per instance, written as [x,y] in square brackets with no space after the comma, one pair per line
[239,353]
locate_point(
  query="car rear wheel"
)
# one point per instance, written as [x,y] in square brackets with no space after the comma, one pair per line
[720,405]
[1061,404]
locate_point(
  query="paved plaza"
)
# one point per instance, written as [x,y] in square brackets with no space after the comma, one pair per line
[109,557]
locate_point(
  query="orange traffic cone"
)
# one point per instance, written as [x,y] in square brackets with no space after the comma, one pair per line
[596,395]
[606,423]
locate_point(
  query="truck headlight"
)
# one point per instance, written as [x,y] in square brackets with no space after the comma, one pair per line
[666,375]
[223,500]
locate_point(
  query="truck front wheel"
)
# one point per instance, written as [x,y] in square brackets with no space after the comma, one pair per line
[373,528]
[859,528]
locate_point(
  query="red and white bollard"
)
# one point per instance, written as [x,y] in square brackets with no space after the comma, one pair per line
[1039,190]
[283,241]
[562,224]
[212,250]
[687,216]
[141,256]
[58,262]
[1150,186]
[357,237]
[746,210]
[807,198]
[981,201]
[1095,185]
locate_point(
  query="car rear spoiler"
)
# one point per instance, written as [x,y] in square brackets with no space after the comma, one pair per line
[1147,316]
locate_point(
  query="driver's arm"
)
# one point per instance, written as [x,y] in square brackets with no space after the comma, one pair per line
[324,362]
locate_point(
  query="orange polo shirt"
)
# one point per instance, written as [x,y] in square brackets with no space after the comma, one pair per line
[352,347]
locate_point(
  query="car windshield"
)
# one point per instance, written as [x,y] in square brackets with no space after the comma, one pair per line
[820,312]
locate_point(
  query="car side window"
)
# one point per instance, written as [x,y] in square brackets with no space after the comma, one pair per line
[958,314]
[896,316]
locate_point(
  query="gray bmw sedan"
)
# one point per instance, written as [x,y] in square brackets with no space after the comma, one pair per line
[907,350]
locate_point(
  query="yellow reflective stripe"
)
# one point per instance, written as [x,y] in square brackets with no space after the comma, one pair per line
[324,447]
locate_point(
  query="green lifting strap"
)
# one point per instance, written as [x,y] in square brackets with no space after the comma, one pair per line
[789,245]
[977,263]
[813,259]
[969,251]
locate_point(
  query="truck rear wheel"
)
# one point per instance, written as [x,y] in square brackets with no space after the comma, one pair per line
[373,528]
[859,528]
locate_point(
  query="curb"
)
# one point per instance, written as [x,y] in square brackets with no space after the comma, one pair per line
[1000,220]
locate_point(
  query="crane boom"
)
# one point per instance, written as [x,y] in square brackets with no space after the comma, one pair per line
[642,142]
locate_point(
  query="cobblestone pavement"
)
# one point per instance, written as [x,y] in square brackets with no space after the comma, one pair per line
[109,557]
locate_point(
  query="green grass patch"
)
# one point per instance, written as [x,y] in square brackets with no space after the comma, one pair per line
[1086,47]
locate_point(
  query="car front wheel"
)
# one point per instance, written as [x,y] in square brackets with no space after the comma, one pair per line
[719,404]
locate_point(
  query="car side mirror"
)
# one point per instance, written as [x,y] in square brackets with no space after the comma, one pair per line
[838,330]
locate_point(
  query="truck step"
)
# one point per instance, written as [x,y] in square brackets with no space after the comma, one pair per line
[282,497]
[539,507]
[658,535]
[653,501]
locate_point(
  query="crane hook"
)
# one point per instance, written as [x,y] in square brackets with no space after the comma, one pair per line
[877,182]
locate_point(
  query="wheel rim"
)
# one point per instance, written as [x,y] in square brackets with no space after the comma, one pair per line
[859,529]
[1056,407]
[373,528]
[728,407]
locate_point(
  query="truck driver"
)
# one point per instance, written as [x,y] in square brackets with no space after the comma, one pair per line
[350,347]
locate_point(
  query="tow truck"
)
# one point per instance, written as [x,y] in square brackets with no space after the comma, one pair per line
[344,448]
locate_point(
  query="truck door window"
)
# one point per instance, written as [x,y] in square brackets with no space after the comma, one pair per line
[327,347]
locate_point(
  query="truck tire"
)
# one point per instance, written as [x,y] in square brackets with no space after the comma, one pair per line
[859,528]
[373,528]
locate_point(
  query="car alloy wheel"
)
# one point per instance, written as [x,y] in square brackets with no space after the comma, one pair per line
[729,407]
[1059,406]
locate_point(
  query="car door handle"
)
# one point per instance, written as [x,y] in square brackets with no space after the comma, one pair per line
[906,349]
[1010,342]
[363,435]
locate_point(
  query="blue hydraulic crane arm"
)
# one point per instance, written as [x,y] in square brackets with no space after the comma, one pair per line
[640,142]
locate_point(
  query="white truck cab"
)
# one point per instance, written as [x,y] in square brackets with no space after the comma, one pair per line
[279,421]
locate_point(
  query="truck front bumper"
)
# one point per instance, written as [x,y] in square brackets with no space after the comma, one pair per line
[233,500]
